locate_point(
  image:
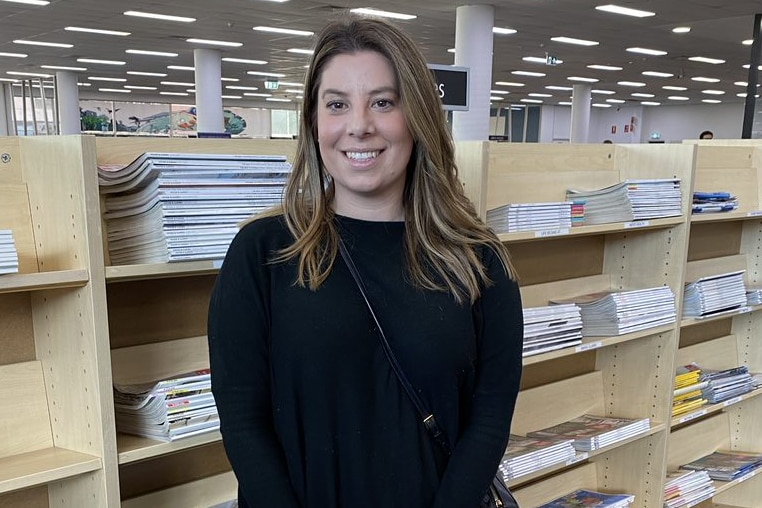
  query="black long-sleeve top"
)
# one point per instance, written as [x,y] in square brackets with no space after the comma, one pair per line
[312,414]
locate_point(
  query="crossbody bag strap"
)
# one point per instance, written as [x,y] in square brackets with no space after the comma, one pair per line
[426,416]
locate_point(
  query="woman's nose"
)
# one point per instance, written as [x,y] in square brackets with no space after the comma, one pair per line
[360,122]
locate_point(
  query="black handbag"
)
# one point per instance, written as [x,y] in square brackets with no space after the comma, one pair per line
[497,495]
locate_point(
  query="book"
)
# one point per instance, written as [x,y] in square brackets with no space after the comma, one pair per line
[584,497]
[726,465]
[591,432]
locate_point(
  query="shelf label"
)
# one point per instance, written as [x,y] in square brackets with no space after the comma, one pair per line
[754,213]
[637,224]
[551,232]
[729,402]
[748,475]
[217,263]
[589,346]
[692,416]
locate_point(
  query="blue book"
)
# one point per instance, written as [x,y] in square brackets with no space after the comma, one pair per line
[584,498]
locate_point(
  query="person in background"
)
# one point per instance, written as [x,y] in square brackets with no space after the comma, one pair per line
[312,414]
[706,135]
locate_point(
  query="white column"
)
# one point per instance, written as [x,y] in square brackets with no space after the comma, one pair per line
[580,113]
[473,49]
[67,100]
[209,116]
[5,111]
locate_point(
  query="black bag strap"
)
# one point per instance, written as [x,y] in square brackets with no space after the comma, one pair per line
[426,416]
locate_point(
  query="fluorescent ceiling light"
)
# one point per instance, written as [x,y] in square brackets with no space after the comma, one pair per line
[244,61]
[583,79]
[604,67]
[451,50]
[676,88]
[572,40]
[230,96]
[191,90]
[649,103]
[211,42]
[84,84]
[503,31]
[540,60]
[704,59]
[535,94]
[136,87]
[711,101]
[29,2]
[646,51]
[501,92]
[32,74]
[293,90]
[705,80]
[528,73]
[678,98]
[748,42]
[181,68]
[383,14]
[616,101]
[99,78]
[291,83]
[713,92]
[562,88]
[14,55]
[508,83]
[630,83]
[177,83]
[236,87]
[267,74]
[301,51]
[43,43]
[681,29]
[603,92]
[746,66]
[164,17]
[96,31]
[63,68]
[532,101]
[492,98]
[9,80]
[249,94]
[97,61]
[287,31]
[140,73]
[625,11]
[174,93]
[657,74]
[277,99]
[564,103]
[152,53]
[599,105]
[117,90]
[644,95]
[232,80]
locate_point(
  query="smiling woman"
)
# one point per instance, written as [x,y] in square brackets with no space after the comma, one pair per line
[312,412]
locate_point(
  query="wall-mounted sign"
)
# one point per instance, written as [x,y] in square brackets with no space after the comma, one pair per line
[452,86]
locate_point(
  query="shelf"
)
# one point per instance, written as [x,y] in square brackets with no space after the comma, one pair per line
[748,309]
[43,466]
[136,448]
[726,216]
[714,408]
[597,229]
[37,281]
[724,486]
[204,492]
[591,343]
[162,270]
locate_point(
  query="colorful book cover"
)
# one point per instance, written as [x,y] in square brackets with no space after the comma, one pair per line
[585,498]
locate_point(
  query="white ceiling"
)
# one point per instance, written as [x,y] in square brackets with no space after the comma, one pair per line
[717,29]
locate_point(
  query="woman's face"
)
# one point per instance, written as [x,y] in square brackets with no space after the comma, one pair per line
[364,140]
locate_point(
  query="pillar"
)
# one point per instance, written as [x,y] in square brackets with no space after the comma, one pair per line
[580,113]
[67,102]
[209,115]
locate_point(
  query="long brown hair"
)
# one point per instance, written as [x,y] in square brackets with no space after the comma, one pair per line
[443,233]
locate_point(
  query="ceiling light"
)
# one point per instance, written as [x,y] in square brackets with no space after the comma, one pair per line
[562,88]
[99,78]
[681,29]
[230,96]
[191,90]
[152,53]
[290,83]
[616,9]
[63,68]
[535,59]
[177,83]
[277,99]
[532,101]
[42,43]
[96,31]
[266,74]
[244,61]
[117,90]
[508,83]
[451,50]
[32,74]
[236,87]
[646,51]
[657,74]
[603,92]
[231,80]
[630,83]
[29,2]
[678,98]
[140,73]
[136,87]
[181,68]
[599,105]
[496,98]
[676,88]
[643,95]
[383,14]
[164,17]
[503,31]
[711,101]
[84,84]
[571,40]
[604,67]
[584,80]
[564,103]
[501,92]
[649,103]
[301,51]
[528,73]
[704,59]
[287,31]
[293,90]
[705,80]
[746,66]
[713,92]
[9,80]
[211,42]
[249,94]
[97,61]
[14,55]
[616,101]
[184,94]
[748,42]
[534,94]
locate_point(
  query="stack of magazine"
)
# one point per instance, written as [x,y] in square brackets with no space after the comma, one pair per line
[725,384]
[9,256]
[591,432]
[688,394]
[630,200]
[715,294]
[609,313]
[583,497]
[168,409]
[179,206]
[511,218]
[687,488]
[551,327]
[726,465]
[526,455]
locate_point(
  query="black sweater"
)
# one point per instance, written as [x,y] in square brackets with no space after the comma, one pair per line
[313,415]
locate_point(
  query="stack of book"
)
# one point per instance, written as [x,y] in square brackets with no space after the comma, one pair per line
[726,465]
[9,256]
[168,409]
[551,327]
[630,200]
[515,217]
[584,497]
[687,394]
[715,294]
[178,206]
[713,202]
[618,312]
[725,384]
[526,455]
[684,489]
[591,432]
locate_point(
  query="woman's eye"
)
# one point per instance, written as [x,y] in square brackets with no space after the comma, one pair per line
[384,103]
[335,105]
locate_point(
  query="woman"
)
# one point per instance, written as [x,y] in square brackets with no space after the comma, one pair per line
[312,414]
